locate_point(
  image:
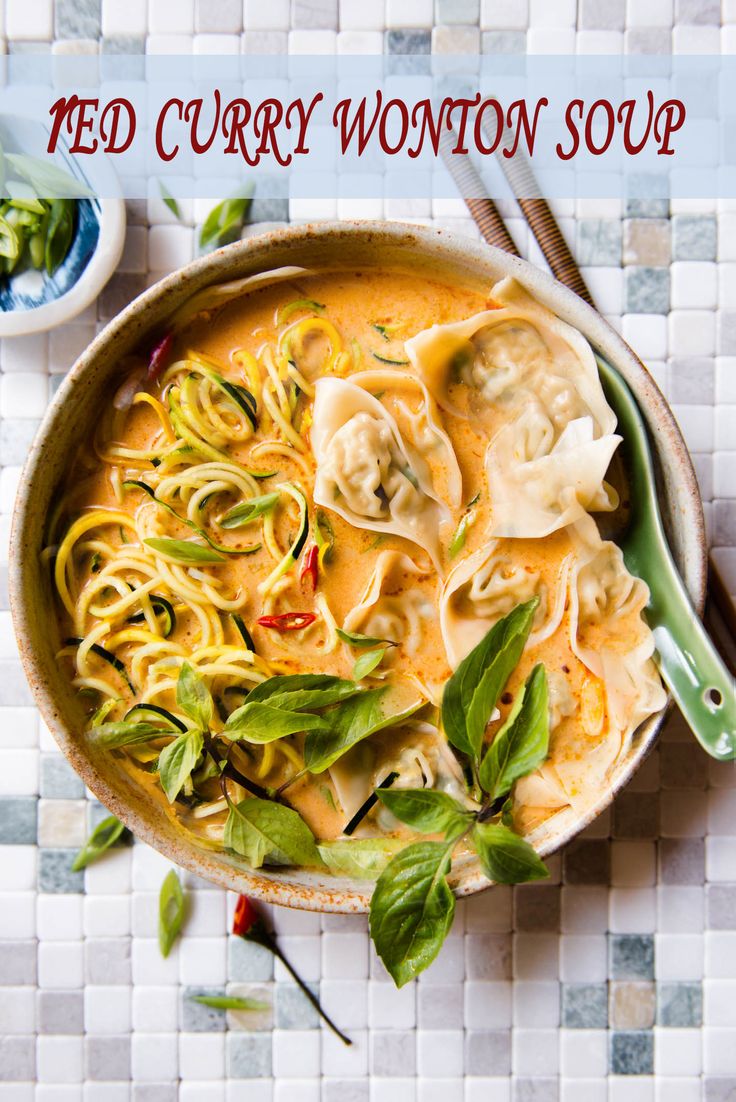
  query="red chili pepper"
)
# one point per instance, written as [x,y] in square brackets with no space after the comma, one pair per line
[245,916]
[310,565]
[287,621]
[159,358]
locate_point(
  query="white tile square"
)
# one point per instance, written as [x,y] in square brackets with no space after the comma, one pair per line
[25,354]
[655,13]
[584,909]
[303,953]
[273,16]
[628,1088]
[18,1011]
[202,1055]
[59,917]
[440,1052]
[129,18]
[60,1059]
[488,1004]
[678,1090]
[107,1009]
[720,858]
[583,1053]
[61,964]
[678,1052]
[409,13]
[17,909]
[487,1090]
[440,1090]
[346,1001]
[344,956]
[202,960]
[692,332]
[29,19]
[721,811]
[633,910]
[154,1057]
[343,1061]
[355,15]
[296,1053]
[583,958]
[111,876]
[552,13]
[171,16]
[647,335]
[679,956]
[23,395]
[583,1090]
[693,285]
[535,1052]
[149,967]
[536,1004]
[679,909]
[19,769]
[389,1008]
[106,915]
[155,1009]
[719,1052]
[504,14]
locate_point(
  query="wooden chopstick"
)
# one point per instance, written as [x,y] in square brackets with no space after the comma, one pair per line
[542,222]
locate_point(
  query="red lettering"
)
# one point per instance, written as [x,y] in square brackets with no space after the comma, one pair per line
[115,109]
[589,122]
[159,137]
[340,118]
[304,115]
[64,111]
[192,115]
[495,106]
[530,131]
[571,126]
[674,113]
[383,126]
[267,117]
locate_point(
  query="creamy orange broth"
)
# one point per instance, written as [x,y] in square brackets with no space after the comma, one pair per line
[355,302]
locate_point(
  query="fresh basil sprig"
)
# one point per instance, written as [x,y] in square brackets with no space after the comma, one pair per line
[266,832]
[225,221]
[105,834]
[171,911]
[412,905]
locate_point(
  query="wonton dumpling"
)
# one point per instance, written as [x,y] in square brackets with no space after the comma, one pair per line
[387,611]
[546,465]
[486,586]
[367,473]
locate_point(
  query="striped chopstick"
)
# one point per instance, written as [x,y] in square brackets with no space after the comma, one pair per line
[720,612]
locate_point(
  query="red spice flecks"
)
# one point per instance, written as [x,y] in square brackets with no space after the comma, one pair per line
[245,916]
[159,359]
[310,566]
[287,621]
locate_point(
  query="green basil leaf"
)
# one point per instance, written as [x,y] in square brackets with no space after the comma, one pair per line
[177,760]
[257,722]
[263,831]
[169,200]
[368,662]
[363,858]
[109,736]
[412,909]
[473,690]
[249,511]
[308,691]
[522,743]
[184,551]
[355,639]
[106,834]
[229,1002]
[349,723]
[425,810]
[505,857]
[193,696]
[171,908]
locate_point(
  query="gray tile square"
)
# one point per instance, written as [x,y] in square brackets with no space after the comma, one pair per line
[248,1055]
[602,15]
[647,290]
[55,871]
[16,435]
[694,237]
[393,1054]
[107,1059]
[503,42]
[632,1053]
[440,1006]
[463,12]
[724,522]
[155,1092]
[17,963]
[535,1090]
[77,18]
[645,197]
[680,1004]
[247,962]
[587,861]
[719,1089]
[408,41]
[634,817]
[692,381]
[584,1005]
[293,1009]
[58,779]
[648,40]
[17,1059]
[488,1052]
[682,860]
[14,689]
[18,819]
[537,907]
[345,1090]
[599,241]
[720,906]
[631,956]
[314,14]
[61,1012]
[726,333]
[694,12]
[224,17]
[488,956]
[196,1018]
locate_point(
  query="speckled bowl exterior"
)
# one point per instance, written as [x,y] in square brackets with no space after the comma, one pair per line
[94,377]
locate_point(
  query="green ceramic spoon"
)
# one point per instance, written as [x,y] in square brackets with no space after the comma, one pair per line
[688,662]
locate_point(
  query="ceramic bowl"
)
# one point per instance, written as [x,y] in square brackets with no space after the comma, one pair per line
[94,377]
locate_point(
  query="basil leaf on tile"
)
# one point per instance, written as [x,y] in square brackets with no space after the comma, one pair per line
[107,832]
[412,908]
[169,200]
[171,909]
[225,221]
[229,1002]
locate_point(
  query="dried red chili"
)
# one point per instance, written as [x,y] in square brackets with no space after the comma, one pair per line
[159,358]
[245,916]
[310,566]
[287,621]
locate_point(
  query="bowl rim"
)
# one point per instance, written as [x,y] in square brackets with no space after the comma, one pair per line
[476,255]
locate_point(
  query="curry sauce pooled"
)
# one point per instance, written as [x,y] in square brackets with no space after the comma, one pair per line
[297,518]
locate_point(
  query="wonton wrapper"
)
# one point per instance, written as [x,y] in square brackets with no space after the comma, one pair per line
[546,465]
[367,473]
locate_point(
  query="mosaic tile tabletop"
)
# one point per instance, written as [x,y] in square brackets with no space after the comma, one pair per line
[614,982]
